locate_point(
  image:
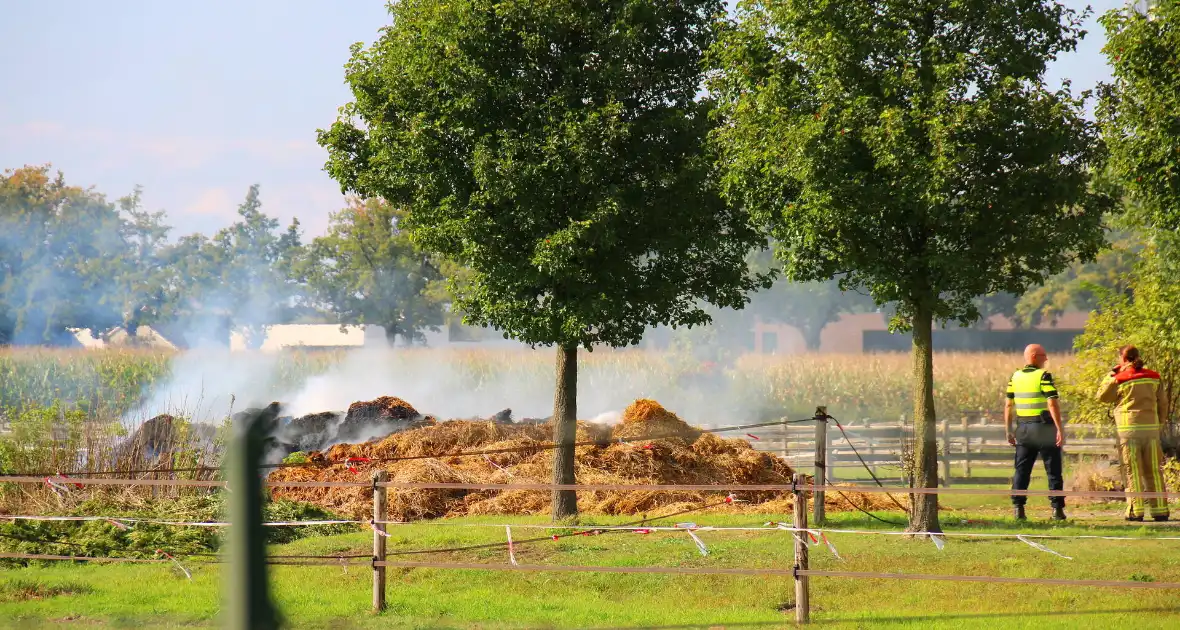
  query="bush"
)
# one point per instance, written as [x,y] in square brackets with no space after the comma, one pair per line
[141,540]
[1145,317]
[298,457]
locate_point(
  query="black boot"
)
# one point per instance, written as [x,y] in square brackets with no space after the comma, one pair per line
[1135,519]
[1018,513]
[1059,513]
[1161,518]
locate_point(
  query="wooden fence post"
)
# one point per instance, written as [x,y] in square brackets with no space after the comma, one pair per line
[802,594]
[821,457]
[784,435]
[946,453]
[380,513]
[966,446]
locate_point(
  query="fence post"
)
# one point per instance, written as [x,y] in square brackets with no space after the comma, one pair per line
[250,607]
[966,446]
[802,594]
[380,513]
[821,457]
[784,436]
[946,453]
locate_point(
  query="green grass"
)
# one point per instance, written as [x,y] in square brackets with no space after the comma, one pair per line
[335,597]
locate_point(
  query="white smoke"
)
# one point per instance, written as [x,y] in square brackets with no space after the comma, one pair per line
[209,385]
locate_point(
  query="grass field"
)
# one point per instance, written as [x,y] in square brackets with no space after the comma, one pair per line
[105,384]
[335,597]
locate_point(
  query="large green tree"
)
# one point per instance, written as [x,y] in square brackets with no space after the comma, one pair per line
[913,146]
[555,150]
[1140,109]
[245,277]
[60,248]
[366,270]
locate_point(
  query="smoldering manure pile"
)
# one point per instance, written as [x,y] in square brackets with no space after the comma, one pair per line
[691,457]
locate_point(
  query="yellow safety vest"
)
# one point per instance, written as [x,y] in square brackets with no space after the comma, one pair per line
[1030,392]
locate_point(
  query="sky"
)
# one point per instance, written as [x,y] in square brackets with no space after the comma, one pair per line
[196,101]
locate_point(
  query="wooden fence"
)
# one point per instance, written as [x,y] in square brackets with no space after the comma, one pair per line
[966,444]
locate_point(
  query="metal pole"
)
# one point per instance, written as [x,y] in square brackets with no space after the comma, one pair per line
[250,607]
[821,457]
[380,513]
[802,593]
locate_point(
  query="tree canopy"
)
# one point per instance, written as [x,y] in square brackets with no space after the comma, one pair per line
[71,258]
[557,151]
[366,270]
[914,149]
[1140,109]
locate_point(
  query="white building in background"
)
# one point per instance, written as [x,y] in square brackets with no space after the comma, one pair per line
[145,337]
[86,339]
[313,336]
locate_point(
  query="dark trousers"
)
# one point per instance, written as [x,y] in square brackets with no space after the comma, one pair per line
[1033,440]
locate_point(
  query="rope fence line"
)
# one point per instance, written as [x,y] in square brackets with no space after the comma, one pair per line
[989,578]
[537,447]
[41,556]
[782,572]
[792,572]
[638,526]
[592,487]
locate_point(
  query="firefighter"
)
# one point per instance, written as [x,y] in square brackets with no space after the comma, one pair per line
[1038,431]
[1141,405]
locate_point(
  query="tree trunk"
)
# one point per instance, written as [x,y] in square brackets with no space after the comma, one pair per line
[565,426]
[924,512]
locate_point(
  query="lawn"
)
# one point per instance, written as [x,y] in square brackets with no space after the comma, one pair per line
[337,597]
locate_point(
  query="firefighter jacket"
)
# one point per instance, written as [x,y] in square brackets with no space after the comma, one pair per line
[1139,398]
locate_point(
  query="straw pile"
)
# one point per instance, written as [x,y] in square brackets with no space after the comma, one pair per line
[677,454]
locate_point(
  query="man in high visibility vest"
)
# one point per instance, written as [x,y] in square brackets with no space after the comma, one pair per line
[1032,399]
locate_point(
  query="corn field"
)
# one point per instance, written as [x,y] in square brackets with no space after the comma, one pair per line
[108,383]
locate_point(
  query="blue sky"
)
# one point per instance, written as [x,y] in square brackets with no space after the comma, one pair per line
[197,100]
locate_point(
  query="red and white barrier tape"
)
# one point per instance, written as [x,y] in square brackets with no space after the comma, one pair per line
[187,573]
[700,543]
[1038,546]
[511,551]
[377,530]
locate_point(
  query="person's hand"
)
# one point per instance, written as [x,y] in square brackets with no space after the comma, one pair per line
[1060,438]
[1011,439]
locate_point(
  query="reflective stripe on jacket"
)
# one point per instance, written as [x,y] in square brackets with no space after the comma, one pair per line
[1139,399]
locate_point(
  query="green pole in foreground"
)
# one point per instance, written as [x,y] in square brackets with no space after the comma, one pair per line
[249,607]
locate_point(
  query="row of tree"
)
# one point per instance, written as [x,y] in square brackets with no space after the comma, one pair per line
[565,154]
[69,258]
[72,259]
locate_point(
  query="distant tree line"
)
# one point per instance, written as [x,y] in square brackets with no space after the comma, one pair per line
[71,258]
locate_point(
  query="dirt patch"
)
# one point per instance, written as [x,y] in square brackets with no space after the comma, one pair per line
[690,457]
